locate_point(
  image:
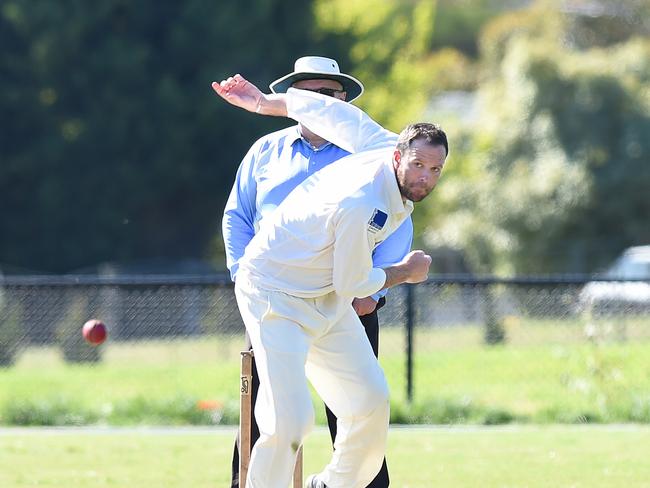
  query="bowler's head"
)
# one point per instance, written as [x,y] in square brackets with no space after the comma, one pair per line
[418,159]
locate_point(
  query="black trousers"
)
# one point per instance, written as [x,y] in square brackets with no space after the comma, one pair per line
[371,324]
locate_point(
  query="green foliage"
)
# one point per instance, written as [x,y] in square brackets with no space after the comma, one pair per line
[540,22]
[46,412]
[390,51]
[609,22]
[114,146]
[391,46]
[599,376]
[444,411]
[117,150]
[458,23]
[61,411]
[557,163]
[177,410]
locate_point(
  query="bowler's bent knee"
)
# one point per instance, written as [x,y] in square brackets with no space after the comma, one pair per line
[290,428]
[375,395]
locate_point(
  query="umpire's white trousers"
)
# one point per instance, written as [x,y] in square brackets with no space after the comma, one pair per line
[319,339]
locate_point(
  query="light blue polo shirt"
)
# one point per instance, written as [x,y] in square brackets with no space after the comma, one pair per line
[272,168]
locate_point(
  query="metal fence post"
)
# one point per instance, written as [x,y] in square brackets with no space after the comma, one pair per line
[410,313]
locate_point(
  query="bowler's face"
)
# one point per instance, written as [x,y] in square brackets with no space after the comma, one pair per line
[419,169]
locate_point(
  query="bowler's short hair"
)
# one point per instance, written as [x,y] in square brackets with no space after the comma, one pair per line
[431,133]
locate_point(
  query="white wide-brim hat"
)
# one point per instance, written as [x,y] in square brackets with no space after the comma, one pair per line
[317,67]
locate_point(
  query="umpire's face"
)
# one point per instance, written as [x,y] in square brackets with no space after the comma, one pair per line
[324,86]
[418,169]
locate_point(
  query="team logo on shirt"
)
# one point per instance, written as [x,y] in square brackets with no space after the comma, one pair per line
[377,221]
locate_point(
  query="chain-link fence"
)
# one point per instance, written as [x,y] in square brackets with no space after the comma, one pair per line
[37,311]
[177,324]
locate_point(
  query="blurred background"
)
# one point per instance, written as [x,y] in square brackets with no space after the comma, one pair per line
[116,159]
[115,149]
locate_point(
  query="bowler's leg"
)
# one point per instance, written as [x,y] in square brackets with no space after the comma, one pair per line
[283,409]
[370,323]
[343,369]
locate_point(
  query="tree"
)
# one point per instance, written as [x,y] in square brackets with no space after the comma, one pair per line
[559,157]
[392,49]
[390,46]
[113,146]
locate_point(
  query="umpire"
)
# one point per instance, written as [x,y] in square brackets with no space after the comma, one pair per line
[275,165]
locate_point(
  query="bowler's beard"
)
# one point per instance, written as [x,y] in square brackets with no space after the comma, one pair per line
[413,192]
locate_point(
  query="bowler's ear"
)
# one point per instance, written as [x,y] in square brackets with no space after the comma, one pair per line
[397,158]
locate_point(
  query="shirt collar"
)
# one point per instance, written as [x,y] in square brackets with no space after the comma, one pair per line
[295,136]
[397,205]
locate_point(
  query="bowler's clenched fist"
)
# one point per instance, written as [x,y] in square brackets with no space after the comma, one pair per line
[417,263]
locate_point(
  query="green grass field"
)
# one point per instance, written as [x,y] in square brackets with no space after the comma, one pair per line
[555,456]
[544,374]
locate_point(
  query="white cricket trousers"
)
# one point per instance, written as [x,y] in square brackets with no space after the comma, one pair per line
[319,339]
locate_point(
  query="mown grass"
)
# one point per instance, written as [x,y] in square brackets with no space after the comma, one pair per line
[557,456]
[456,380]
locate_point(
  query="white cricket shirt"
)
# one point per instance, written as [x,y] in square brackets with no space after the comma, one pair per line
[321,237]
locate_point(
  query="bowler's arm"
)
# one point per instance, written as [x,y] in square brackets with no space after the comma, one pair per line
[339,122]
[393,249]
[390,251]
[353,272]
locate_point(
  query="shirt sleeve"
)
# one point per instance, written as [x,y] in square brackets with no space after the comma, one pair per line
[238,223]
[393,249]
[337,121]
[353,274]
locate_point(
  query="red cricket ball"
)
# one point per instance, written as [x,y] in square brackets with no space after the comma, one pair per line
[94,331]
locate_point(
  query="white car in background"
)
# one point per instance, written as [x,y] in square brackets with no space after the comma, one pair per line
[622,296]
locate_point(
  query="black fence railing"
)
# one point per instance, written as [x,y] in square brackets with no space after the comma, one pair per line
[50,310]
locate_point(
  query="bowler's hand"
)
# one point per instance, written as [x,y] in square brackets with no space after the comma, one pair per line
[417,265]
[239,92]
[414,268]
[364,306]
